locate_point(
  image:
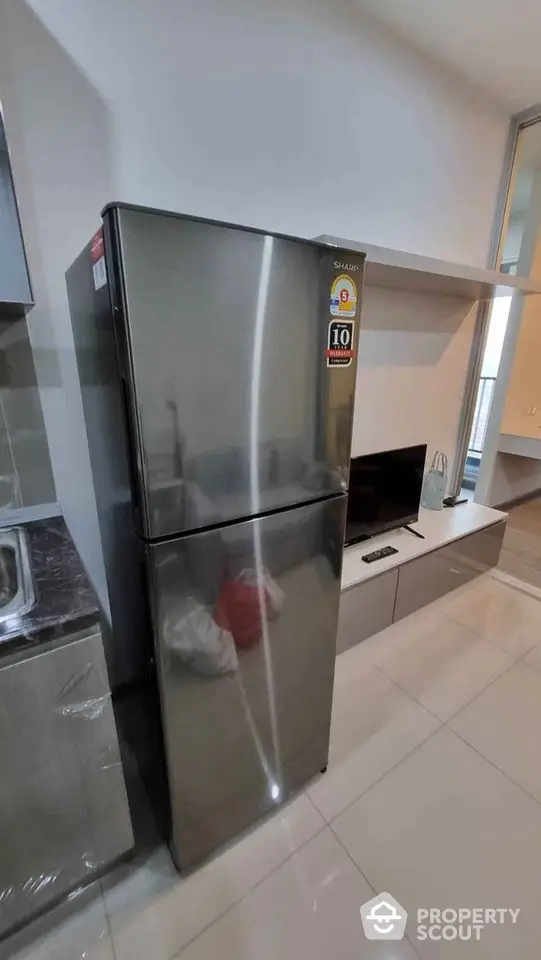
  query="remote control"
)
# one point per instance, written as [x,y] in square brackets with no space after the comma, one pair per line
[454,501]
[379,554]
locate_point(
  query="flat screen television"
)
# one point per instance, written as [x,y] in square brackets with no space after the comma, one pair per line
[384,491]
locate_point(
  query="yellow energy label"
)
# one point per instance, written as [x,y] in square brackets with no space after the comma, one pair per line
[343,297]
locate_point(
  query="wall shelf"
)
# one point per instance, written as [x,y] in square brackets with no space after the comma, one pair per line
[520,446]
[13,310]
[399,270]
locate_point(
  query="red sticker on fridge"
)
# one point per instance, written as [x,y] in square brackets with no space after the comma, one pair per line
[97,257]
[340,350]
[97,248]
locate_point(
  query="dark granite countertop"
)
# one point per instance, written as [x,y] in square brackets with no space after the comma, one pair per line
[64,600]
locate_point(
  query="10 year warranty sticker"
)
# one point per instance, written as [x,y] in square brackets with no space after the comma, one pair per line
[339,350]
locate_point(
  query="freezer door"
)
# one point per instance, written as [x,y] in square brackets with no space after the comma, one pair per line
[245,626]
[235,406]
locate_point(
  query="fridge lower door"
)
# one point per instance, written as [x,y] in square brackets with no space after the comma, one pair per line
[245,626]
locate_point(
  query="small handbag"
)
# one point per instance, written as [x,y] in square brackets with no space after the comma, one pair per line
[435,483]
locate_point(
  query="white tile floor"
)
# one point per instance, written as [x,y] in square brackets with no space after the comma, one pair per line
[433,793]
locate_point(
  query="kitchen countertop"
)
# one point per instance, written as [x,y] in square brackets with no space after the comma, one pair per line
[64,599]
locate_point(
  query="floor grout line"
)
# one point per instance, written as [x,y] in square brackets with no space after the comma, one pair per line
[522,659]
[109,927]
[374,889]
[467,703]
[326,825]
[245,835]
[495,765]
[442,723]
[479,694]
[331,823]
[354,862]
[107,917]
[478,633]
[403,690]
[383,775]
[494,643]
[278,866]
[494,679]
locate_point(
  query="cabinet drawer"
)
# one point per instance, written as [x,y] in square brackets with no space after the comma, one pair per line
[480,551]
[366,609]
[423,580]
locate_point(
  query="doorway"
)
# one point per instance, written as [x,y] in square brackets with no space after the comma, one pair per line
[497,326]
[521,186]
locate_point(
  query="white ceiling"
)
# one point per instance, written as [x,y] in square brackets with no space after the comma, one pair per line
[495,43]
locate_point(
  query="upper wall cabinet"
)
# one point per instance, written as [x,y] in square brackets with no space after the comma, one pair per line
[15,289]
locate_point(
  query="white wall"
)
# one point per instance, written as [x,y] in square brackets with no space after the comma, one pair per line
[413,358]
[299,115]
[58,134]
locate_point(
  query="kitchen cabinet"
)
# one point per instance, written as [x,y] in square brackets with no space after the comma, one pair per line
[15,289]
[64,812]
[366,609]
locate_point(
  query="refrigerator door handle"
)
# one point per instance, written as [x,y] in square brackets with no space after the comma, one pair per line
[132,466]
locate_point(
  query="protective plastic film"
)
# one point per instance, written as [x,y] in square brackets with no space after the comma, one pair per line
[63,807]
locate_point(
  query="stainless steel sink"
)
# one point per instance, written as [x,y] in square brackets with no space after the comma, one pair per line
[16,587]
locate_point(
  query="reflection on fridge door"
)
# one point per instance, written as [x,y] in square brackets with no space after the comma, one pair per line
[246,626]
[234,423]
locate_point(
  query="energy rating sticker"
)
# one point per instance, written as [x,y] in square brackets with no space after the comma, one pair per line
[343,297]
[340,350]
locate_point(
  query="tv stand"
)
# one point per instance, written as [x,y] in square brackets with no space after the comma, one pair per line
[406,526]
[458,546]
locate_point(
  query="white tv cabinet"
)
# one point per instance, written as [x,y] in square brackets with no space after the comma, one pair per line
[460,543]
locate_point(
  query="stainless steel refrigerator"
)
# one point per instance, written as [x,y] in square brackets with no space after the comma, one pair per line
[218,370]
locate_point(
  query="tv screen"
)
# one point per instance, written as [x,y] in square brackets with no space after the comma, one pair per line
[384,491]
